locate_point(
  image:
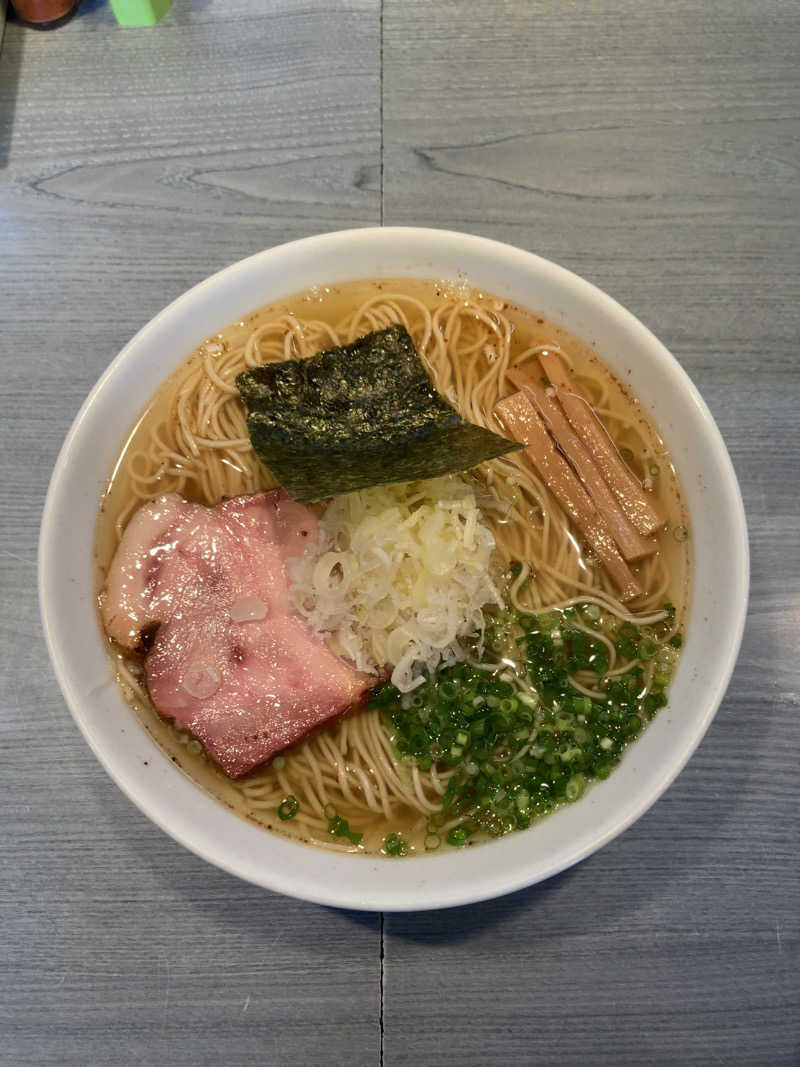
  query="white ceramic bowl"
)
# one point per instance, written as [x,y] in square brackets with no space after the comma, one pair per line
[171,800]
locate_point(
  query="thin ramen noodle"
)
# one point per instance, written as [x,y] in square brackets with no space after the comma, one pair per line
[193,440]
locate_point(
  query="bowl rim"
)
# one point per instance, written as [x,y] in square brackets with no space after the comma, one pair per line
[455,894]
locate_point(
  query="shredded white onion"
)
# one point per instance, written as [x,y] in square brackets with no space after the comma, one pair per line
[202,680]
[397,575]
[248,609]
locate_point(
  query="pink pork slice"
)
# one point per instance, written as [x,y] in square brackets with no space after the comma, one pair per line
[230,662]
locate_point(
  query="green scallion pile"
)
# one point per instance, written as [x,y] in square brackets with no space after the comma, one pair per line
[519,743]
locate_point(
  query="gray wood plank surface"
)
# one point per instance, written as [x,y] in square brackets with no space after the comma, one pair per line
[137,163]
[653,149]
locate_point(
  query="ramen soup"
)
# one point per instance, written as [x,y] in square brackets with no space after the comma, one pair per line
[463,651]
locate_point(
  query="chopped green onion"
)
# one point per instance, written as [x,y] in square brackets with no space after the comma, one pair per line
[676,641]
[395,845]
[627,647]
[279,763]
[575,787]
[432,842]
[654,469]
[521,739]
[680,533]
[288,808]
[329,811]
[647,648]
[458,836]
[338,827]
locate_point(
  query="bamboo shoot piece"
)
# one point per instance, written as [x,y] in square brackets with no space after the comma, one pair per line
[524,423]
[631,543]
[639,508]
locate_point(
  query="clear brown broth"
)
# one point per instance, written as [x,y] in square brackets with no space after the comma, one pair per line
[331,304]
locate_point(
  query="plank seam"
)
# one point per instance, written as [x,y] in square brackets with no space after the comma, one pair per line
[383,917]
[380,21]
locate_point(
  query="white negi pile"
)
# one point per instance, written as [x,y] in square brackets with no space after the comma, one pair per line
[398,576]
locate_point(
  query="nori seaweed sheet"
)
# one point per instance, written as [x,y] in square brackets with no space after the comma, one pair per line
[356,416]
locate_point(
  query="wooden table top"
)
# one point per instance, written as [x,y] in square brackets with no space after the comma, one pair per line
[652,149]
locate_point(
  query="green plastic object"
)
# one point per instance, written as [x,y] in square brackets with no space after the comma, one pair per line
[140,12]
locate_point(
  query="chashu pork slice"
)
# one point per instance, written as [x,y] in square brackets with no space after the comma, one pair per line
[230,661]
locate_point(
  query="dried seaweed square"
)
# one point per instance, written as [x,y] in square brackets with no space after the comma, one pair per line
[358,415]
